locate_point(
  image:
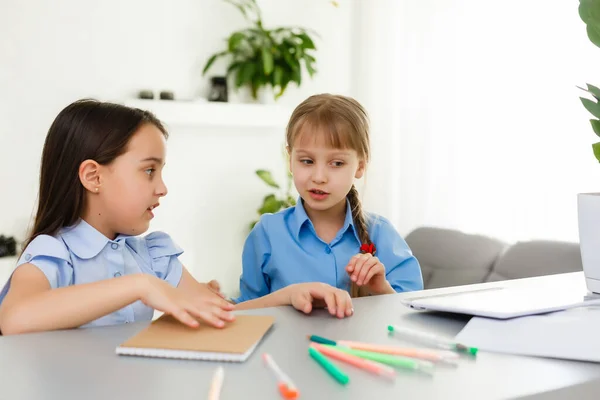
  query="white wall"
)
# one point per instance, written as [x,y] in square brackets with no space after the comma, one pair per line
[52,54]
[487,134]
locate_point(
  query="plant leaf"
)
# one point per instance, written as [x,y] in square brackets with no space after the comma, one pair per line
[309,67]
[267,178]
[267,59]
[291,60]
[307,42]
[596,148]
[270,205]
[233,66]
[297,76]
[281,91]
[211,60]
[308,57]
[594,35]
[589,12]
[592,107]
[593,90]
[277,75]
[595,126]
[234,40]
[245,73]
[290,201]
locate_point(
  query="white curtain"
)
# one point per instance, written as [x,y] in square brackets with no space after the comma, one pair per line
[476,120]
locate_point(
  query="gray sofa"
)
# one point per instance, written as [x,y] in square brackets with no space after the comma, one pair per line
[451,258]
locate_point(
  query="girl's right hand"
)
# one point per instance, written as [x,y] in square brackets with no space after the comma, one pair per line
[304,296]
[161,296]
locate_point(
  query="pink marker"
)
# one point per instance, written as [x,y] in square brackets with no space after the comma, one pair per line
[423,354]
[367,365]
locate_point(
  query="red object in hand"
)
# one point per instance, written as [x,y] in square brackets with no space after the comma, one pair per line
[367,248]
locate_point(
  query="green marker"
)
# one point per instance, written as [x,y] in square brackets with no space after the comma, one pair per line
[432,339]
[322,340]
[331,368]
[394,361]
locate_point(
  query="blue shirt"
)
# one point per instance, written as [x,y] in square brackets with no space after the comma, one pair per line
[283,249]
[81,254]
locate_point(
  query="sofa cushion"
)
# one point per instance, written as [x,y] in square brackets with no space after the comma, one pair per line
[536,258]
[450,258]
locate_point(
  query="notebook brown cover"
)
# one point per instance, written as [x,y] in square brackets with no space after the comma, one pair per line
[236,337]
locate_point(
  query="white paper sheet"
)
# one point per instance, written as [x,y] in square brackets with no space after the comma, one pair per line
[572,334]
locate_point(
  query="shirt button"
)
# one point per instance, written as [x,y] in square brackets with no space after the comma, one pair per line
[27,256]
[114,246]
[327,250]
[117,274]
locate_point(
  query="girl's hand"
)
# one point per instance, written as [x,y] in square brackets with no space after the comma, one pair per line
[187,308]
[367,270]
[305,296]
[213,287]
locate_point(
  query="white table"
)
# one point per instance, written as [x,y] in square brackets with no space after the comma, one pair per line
[81,363]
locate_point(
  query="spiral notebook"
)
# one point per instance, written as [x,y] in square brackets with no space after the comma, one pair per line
[168,338]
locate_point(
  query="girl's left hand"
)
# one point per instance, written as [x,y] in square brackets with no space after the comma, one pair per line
[215,287]
[210,289]
[367,270]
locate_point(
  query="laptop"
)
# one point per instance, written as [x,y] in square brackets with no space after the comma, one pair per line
[503,303]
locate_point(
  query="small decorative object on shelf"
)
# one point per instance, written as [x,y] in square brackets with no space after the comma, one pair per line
[146,94]
[8,246]
[218,89]
[167,95]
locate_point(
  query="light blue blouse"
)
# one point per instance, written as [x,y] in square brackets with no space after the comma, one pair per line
[81,254]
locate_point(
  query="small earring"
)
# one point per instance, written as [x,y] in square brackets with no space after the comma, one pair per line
[97,189]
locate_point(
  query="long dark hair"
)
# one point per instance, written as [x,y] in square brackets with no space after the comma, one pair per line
[346,125]
[84,130]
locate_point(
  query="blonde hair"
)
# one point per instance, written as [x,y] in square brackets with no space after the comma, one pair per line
[345,125]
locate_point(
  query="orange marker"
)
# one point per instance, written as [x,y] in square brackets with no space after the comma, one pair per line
[286,387]
[367,365]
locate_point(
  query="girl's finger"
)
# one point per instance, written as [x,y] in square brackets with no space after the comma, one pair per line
[365,270]
[302,302]
[221,303]
[349,307]
[210,318]
[341,299]
[214,285]
[352,263]
[377,269]
[359,265]
[330,302]
[222,314]
[184,317]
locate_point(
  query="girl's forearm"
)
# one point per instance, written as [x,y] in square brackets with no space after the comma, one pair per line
[71,306]
[275,299]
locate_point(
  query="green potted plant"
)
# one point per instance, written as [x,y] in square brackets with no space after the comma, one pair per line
[274,202]
[262,58]
[588,204]
[589,11]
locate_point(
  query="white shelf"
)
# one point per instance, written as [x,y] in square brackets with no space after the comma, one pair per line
[199,114]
